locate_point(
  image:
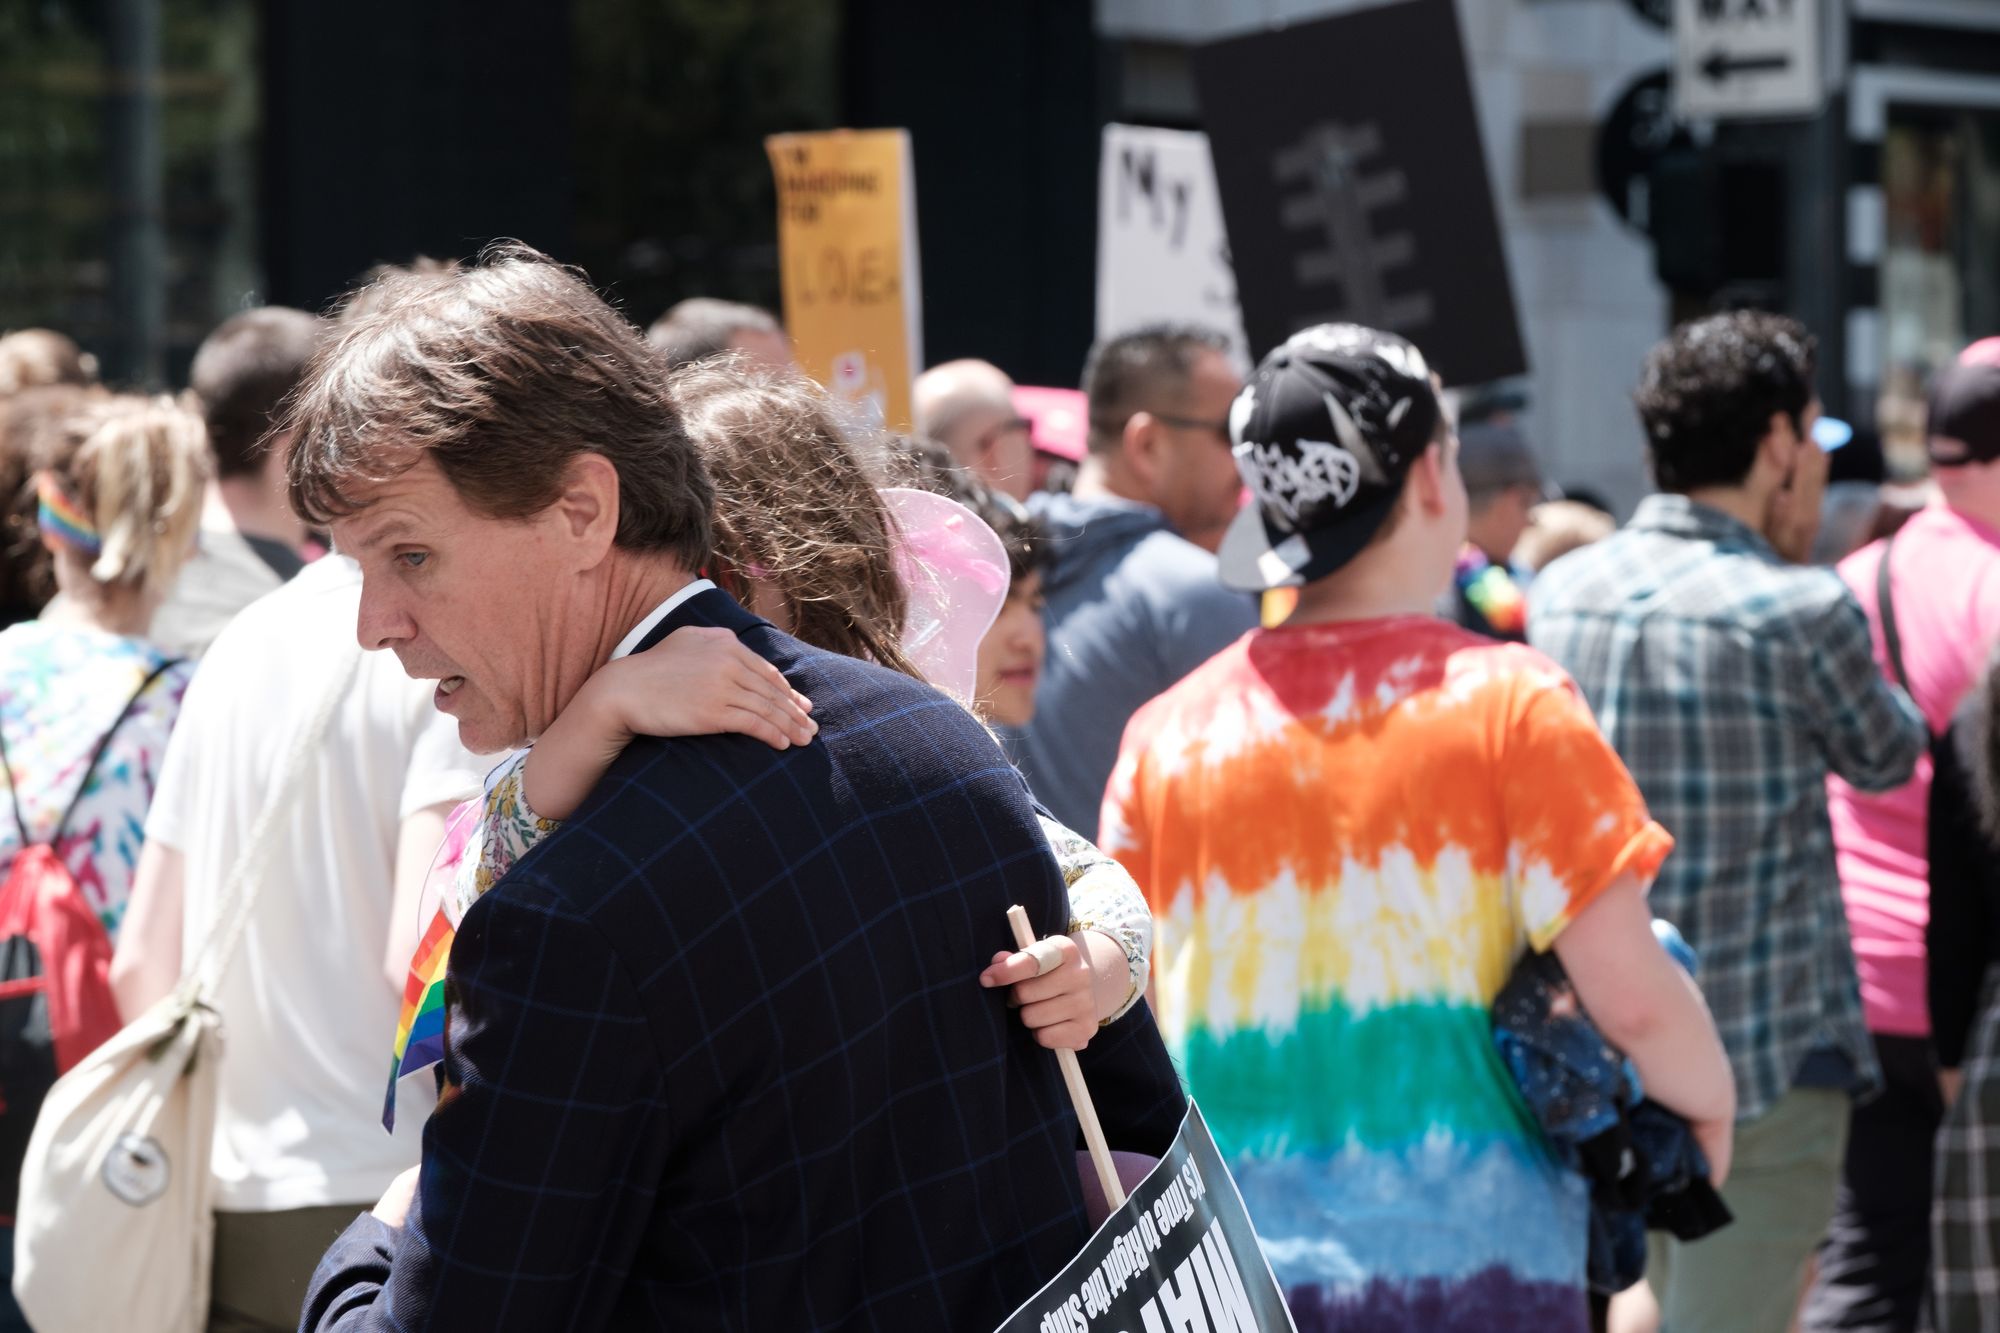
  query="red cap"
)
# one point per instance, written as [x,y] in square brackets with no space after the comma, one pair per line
[1060,419]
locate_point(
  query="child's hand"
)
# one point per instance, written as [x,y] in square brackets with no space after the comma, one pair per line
[1060,1006]
[695,682]
[702,682]
[394,1208]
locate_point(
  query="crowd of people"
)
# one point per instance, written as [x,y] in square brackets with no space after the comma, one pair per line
[1561,925]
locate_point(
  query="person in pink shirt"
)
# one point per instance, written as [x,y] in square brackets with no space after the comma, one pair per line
[1941,572]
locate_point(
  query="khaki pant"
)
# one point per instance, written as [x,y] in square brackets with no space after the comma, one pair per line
[1747,1277]
[263,1262]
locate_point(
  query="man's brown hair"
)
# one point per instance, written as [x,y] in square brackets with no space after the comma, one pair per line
[241,375]
[501,372]
[364,298]
[1146,370]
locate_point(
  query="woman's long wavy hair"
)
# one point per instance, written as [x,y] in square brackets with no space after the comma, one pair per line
[797,509]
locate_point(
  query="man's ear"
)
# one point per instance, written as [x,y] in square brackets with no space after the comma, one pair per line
[1425,486]
[1778,453]
[1143,443]
[586,509]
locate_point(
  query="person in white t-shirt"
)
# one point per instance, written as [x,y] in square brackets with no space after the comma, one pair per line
[310,1002]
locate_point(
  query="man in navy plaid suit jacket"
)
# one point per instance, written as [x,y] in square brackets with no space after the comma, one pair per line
[718,1057]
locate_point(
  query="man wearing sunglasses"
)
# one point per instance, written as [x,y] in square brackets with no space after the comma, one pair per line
[1133,599]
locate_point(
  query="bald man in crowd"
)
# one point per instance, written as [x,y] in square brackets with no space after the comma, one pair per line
[701,327]
[968,407]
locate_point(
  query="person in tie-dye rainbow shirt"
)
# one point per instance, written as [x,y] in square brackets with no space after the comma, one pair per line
[1350,828]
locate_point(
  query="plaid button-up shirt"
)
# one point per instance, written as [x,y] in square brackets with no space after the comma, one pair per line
[1731,684]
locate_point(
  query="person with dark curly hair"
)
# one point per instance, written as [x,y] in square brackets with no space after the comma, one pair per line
[1733,682]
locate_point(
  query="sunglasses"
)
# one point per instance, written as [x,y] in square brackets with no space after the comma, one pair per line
[1220,428]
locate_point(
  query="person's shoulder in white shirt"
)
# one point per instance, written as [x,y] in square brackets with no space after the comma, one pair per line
[309,1001]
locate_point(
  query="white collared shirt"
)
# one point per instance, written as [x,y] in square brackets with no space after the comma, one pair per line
[630,643]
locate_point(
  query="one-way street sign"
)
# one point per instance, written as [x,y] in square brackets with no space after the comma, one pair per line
[1747,58]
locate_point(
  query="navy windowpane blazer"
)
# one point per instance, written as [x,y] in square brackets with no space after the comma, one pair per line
[718,1057]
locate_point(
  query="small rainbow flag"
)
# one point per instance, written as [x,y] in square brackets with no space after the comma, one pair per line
[420,1029]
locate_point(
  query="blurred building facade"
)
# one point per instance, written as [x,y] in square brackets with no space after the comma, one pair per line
[1876,220]
[164,162]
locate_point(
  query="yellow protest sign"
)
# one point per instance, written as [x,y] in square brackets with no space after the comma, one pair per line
[847,254]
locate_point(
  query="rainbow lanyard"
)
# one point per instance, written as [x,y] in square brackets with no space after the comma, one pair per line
[1492,592]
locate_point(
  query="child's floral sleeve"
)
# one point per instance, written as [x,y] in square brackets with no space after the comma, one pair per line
[508,831]
[1103,897]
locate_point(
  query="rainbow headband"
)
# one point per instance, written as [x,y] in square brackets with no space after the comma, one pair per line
[62,518]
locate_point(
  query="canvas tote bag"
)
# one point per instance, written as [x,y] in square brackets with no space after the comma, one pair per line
[115,1225]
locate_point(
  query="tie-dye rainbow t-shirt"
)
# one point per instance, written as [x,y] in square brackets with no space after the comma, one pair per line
[1349,834]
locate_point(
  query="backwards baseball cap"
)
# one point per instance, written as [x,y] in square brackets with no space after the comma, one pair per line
[1965,414]
[1324,434]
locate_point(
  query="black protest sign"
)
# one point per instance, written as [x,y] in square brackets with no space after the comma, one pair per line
[1179,1257]
[1354,185]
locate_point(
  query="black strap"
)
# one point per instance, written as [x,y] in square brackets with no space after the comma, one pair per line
[89,769]
[1885,603]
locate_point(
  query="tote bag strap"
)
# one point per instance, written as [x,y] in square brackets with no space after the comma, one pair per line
[246,879]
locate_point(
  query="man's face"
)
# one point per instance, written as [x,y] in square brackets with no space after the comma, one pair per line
[1797,508]
[997,445]
[763,347]
[491,609]
[1497,527]
[1198,487]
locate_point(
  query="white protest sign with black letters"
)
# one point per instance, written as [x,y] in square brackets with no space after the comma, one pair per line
[1180,1254]
[1162,253]
[1747,58]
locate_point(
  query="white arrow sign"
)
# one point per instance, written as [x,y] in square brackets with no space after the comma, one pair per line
[1747,58]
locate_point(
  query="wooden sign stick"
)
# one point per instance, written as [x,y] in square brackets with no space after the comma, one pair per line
[1086,1113]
